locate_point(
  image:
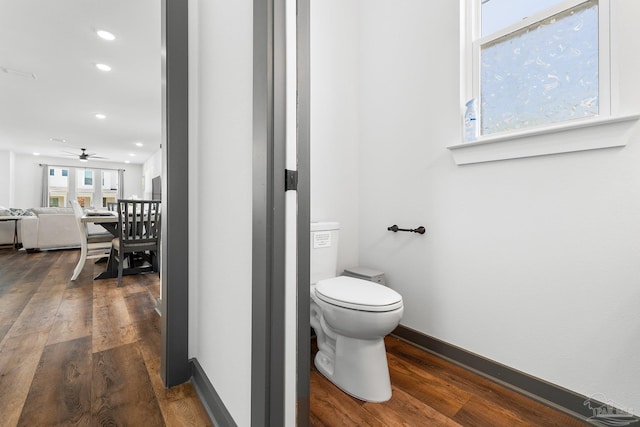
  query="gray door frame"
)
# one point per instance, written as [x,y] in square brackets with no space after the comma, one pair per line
[304,216]
[268,265]
[174,359]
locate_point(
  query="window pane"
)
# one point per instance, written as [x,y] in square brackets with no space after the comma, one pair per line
[498,14]
[85,199]
[88,177]
[84,187]
[58,187]
[543,74]
[109,186]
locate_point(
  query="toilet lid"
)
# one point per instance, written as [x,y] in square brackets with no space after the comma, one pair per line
[358,294]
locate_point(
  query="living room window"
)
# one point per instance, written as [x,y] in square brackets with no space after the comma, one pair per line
[537,63]
[90,187]
[88,178]
[85,192]
[109,186]
[58,187]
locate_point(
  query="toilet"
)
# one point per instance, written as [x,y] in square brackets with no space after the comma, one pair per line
[351,317]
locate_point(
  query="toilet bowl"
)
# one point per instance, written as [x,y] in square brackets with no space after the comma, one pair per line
[351,318]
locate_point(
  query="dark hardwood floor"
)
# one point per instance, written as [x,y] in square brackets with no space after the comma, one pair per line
[88,353]
[430,391]
[83,353]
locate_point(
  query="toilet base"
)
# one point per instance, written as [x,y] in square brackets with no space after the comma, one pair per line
[359,368]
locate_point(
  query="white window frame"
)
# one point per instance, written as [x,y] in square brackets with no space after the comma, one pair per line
[499,146]
[75,187]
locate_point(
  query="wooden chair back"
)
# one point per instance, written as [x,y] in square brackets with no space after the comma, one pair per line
[139,224]
[78,212]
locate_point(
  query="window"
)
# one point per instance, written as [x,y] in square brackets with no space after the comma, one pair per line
[109,186]
[84,187]
[85,200]
[58,187]
[90,187]
[88,177]
[535,68]
[538,63]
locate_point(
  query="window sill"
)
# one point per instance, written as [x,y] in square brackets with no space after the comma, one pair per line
[532,142]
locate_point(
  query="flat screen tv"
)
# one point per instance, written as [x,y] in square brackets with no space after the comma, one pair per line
[156,188]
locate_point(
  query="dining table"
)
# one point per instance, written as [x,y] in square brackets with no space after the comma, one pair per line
[109,221]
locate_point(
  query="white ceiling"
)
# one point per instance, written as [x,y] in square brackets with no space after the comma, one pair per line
[56,41]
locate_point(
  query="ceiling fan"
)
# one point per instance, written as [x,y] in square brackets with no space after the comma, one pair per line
[84,156]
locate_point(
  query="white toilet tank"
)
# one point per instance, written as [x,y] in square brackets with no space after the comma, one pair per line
[324,250]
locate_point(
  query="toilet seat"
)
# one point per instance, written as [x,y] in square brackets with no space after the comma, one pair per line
[358,294]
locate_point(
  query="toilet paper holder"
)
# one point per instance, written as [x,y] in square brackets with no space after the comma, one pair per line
[419,230]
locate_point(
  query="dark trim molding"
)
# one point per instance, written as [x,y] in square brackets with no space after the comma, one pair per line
[174,367]
[209,398]
[549,394]
[304,216]
[268,252]
[261,264]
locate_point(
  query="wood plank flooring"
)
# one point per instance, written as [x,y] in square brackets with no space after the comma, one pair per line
[429,391]
[83,353]
[87,353]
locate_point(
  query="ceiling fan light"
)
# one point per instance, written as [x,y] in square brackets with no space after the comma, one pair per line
[84,160]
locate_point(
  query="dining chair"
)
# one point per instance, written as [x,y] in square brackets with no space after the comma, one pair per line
[112,206]
[138,235]
[92,245]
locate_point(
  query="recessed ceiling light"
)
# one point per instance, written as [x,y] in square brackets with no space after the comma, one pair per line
[127,161]
[106,35]
[62,140]
[139,144]
[103,67]
[132,155]
[36,154]
[100,116]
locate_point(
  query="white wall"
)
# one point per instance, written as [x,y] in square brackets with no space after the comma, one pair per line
[533,263]
[150,169]
[7,184]
[28,177]
[334,127]
[221,79]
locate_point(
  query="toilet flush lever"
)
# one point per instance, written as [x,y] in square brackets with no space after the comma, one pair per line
[419,230]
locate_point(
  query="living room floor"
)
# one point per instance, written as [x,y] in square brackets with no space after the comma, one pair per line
[83,352]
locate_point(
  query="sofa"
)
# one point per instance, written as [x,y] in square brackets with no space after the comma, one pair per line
[52,228]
